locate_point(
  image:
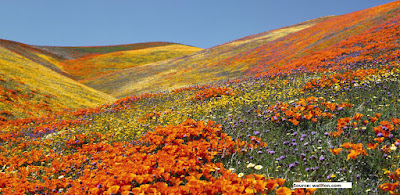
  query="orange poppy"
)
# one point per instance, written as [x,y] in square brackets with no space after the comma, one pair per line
[336,151]
[283,191]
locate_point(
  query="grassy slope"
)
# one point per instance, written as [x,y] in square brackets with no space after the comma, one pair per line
[37,55]
[31,89]
[182,71]
[317,43]
[78,52]
[97,65]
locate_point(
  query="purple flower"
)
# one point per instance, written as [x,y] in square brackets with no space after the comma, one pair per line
[259,152]
[294,134]
[305,144]
[328,177]
[379,135]
[256,132]
[321,158]
[326,134]
[291,166]
[303,135]
[319,141]
[307,169]
[397,144]
[313,133]
[340,108]
[271,152]
[293,140]
[312,157]
[301,139]
[302,155]
[294,144]
[390,135]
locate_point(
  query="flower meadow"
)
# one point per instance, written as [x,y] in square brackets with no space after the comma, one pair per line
[251,136]
[314,102]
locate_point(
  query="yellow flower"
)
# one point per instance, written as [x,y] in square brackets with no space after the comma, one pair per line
[258,167]
[393,147]
[385,171]
[240,174]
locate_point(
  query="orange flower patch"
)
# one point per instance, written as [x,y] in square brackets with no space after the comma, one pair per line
[309,109]
[178,159]
[356,150]
[212,92]
[335,151]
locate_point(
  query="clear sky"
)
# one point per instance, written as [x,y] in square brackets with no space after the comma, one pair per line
[201,23]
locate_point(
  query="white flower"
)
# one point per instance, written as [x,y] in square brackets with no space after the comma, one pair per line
[250,165]
[258,167]
[240,174]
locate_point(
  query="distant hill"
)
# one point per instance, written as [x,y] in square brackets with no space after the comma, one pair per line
[195,68]
[310,46]
[78,52]
[28,88]
[99,64]
[36,80]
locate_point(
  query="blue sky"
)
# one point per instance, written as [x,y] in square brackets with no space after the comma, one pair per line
[201,23]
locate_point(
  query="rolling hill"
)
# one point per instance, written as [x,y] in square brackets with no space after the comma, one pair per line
[328,43]
[100,64]
[182,71]
[322,105]
[31,89]
[37,80]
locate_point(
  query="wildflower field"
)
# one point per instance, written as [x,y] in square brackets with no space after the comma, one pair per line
[256,135]
[330,114]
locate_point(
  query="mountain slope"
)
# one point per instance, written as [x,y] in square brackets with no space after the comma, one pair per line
[307,47]
[100,64]
[78,52]
[37,55]
[31,89]
[183,71]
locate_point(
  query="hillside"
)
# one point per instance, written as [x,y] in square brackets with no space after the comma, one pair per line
[36,80]
[31,89]
[331,118]
[78,52]
[307,47]
[183,71]
[100,64]
[37,55]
